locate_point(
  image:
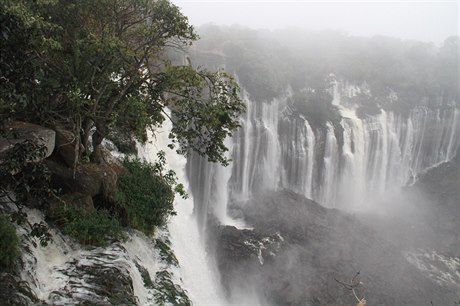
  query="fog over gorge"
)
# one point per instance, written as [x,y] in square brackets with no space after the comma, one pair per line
[230,153]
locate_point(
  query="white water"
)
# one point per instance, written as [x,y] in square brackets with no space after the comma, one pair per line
[197,270]
[57,273]
[442,269]
[276,148]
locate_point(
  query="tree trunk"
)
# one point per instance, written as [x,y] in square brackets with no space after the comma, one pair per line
[85,133]
[98,137]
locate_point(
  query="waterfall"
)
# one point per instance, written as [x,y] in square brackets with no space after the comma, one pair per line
[277,148]
[346,164]
[327,195]
[64,273]
[196,270]
[256,156]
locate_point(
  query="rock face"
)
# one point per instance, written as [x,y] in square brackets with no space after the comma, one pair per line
[90,179]
[20,131]
[321,245]
[441,186]
[66,146]
[249,246]
[14,292]
[102,155]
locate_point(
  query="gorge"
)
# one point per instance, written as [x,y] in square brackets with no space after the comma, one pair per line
[342,186]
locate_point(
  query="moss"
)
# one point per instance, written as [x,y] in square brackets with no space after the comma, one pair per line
[9,243]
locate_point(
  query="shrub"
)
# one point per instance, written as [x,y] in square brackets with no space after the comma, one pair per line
[9,243]
[24,174]
[91,227]
[146,193]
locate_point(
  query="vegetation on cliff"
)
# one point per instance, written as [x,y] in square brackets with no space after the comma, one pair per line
[103,66]
[9,243]
[146,194]
[94,70]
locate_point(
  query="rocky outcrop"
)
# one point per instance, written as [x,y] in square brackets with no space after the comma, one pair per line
[90,179]
[67,146]
[102,155]
[17,132]
[14,291]
[321,245]
[439,187]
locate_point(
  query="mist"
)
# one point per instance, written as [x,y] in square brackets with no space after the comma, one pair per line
[334,168]
[429,21]
[230,152]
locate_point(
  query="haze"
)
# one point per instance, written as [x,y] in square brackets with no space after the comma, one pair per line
[420,20]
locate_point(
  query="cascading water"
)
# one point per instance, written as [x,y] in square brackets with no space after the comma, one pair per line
[63,273]
[257,151]
[276,148]
[197,271]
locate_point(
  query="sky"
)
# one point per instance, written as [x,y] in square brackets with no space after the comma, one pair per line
[406,19]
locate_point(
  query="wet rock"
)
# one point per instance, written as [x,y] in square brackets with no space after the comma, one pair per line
[321,245]
[102,155]
[18,131]
[114,283]
[244,244]
[98,278]
[440,188]
[14,292]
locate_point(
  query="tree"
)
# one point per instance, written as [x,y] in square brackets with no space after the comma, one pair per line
[103,66]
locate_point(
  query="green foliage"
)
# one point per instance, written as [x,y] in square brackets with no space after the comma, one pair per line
[41,232]
[9,243]
[23,41]
[23,174]
[82,64]
[199,125]
[146,193]
[91,227]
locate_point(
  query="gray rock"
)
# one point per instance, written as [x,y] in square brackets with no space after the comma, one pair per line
[14,291]
[17,132]
[320,245]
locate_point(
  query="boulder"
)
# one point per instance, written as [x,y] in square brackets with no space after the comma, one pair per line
[318,246]
[18,132]
[102,155]
[90,179]
[67,147]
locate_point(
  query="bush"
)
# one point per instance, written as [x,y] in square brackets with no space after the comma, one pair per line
[91,227]
[146,194]
[23,173]
[9,243]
